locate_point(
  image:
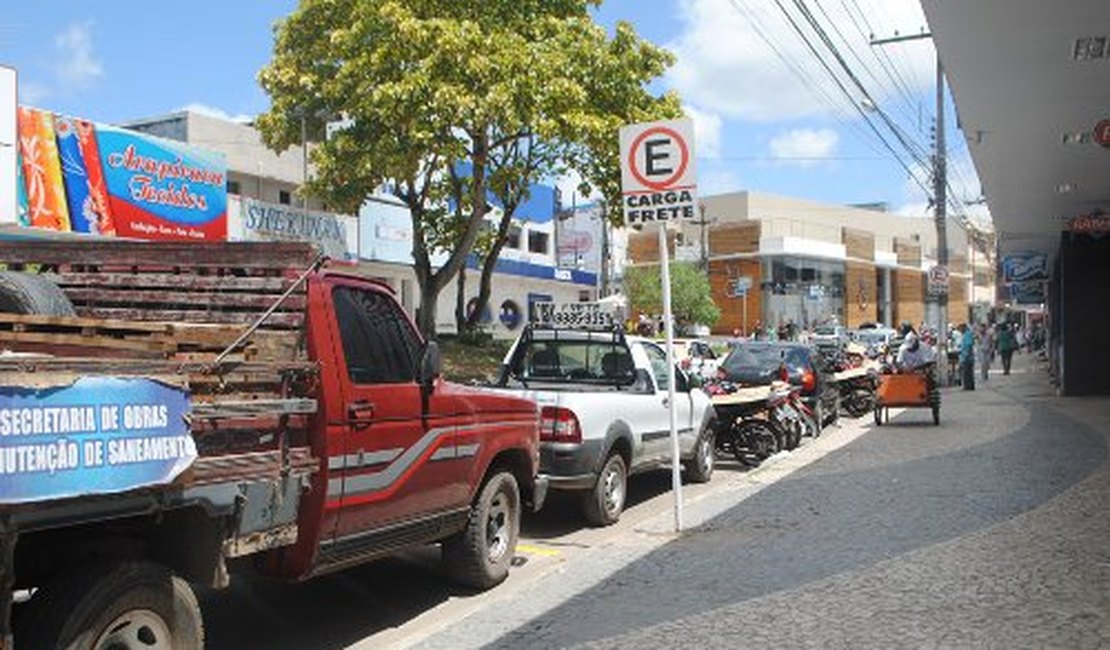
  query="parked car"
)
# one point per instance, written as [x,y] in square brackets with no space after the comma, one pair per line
[829,336]
[696,357]
[604,412]
[873,339]
[757,363]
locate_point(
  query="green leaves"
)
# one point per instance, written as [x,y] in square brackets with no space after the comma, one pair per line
[516,90]
[691,298]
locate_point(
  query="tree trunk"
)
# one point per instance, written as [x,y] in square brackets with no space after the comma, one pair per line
[485,281]
[432,283]
[462,323]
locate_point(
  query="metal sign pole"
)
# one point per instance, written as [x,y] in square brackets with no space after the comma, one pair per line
[668,327]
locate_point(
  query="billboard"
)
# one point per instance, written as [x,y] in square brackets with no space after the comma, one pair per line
[579,240]
[77,176]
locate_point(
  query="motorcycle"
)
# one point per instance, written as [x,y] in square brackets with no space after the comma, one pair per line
[747,430]
[786,415]
[857,386]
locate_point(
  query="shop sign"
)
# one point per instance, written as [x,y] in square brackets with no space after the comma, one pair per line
[1025,266]
[78,176]
[1090,223]
[334,234]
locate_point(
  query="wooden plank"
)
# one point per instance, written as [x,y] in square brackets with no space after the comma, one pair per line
[191,281]
[105,342]
[242,255]
[276,320]
[253,408]
[250,301]
[733,238]
[98,324]
[248,371]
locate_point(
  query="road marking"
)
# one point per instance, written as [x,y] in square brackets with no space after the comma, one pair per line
[536,550]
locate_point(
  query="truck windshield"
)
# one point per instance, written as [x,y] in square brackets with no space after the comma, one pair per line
[592,362]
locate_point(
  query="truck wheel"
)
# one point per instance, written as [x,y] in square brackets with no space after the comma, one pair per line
[124,605]
[604,504]
[25,293]
[699,469]
[479,557]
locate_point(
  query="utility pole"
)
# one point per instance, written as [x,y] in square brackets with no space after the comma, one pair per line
[704,240]
[940,195]
[604,251]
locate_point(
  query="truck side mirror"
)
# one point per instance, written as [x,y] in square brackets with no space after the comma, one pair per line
[431,364]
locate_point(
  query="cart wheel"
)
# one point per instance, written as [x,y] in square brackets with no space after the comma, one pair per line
[936,415]
[878,416]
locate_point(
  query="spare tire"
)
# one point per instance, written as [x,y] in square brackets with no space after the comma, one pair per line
[24,293]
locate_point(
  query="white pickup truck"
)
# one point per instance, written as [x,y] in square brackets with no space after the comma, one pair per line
[605,412]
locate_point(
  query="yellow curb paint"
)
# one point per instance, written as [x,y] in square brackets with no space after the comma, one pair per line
[536,550]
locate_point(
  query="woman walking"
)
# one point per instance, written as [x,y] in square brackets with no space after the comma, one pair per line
[1007,343]
[985,351]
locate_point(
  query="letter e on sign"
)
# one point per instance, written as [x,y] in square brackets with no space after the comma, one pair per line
[658,170]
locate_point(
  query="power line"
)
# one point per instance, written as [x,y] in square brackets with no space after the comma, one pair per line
[840,84]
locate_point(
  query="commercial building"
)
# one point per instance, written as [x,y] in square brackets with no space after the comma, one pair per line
[773,260]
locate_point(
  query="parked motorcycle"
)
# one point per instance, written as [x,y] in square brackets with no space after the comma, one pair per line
[747,430]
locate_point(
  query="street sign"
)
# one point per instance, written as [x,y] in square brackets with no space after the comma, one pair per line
[1102,133]
[658,175]
[938,280]
[739,286]
[659,184]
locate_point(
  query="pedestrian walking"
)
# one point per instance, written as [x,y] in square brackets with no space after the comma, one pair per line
[1007,343]
[967,357]
[984,351]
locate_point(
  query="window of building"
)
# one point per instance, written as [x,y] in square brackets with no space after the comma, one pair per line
[537,242]
[233,187]
[513,240]
[284,197]
[379,344]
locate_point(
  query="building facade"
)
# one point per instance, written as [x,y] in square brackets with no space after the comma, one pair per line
[773,260]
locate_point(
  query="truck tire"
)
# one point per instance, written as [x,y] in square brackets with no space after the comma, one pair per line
[605,502]
[479,557]
[24,293]
[699,469]
[121,605]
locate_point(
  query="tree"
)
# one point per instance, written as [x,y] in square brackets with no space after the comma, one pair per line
[430,86]
[691,296]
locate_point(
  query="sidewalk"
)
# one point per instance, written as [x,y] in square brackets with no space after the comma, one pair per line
[989,531]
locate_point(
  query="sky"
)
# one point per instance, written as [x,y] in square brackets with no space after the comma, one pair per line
[768,116]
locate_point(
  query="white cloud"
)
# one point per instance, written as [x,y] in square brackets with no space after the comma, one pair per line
[803,147]
[211,111]
[725,65]
[32,92]
[718,181]
[77,66]
[707,131]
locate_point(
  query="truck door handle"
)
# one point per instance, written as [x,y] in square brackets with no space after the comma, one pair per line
[360,412]
[666,401]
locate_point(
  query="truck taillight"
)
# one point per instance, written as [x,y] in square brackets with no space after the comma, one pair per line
[809,380]
[559,425]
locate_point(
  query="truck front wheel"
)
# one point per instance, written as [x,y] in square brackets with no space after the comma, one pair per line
[479,557]
[123,605]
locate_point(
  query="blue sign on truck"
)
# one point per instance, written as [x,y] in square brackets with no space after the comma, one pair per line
[96,435]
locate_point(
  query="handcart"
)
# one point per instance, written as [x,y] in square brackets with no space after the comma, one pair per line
[916,388]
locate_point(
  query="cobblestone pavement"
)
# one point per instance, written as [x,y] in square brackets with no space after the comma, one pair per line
[989,531]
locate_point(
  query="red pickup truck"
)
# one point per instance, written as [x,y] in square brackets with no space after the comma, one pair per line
[324,439]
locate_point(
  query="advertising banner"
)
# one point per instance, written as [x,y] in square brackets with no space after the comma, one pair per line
[580,238]
[337,235]
[98,179]
[1025,266]
[98,435]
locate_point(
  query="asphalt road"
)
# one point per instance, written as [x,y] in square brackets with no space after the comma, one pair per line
[988,531]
